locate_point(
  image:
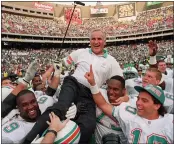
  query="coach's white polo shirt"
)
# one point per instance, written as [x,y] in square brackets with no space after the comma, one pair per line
[104,66]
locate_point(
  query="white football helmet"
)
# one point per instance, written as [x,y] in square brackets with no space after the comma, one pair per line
[69,134]
[130,72]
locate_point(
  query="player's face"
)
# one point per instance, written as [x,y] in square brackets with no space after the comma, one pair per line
[149,78]
[162,67]
[6,82]
[145,106]
[28,107]
[114,90]
[140,72]
[36,80]
[97,42]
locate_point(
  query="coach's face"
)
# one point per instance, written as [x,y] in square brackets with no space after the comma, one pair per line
[145,106]
[28,107]
[114,90]
[97,41]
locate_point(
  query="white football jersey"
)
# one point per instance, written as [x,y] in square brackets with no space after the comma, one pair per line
[141,130]
[106,125]
[169,73]
[168,103]
[130,83]
[38,93]
[169,84]
[44,102]
[17,128]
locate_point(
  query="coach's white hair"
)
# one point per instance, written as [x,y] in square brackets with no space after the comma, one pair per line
[96,30]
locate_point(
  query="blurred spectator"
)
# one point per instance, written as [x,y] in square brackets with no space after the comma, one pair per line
[146,21]
[15,62]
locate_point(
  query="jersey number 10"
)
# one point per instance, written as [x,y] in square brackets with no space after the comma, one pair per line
[153,138]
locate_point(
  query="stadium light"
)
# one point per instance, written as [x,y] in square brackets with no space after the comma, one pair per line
[79,3]
[75,4]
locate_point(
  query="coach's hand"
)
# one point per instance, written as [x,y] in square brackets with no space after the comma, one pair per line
[153,48]
[90,76]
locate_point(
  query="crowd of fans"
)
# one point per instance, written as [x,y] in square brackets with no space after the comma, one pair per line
[146,21]
[38,81]
[16,60]
[138,52]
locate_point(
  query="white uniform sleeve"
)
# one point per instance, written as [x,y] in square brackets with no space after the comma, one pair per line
[123,113]
[44,102]
[152,60]
[169,84]
[168,103]
[116,114]
[115,69]
[72,58]
[168,130]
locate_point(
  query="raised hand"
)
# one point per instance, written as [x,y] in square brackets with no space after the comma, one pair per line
[153,48]
[90,76]
[47,74]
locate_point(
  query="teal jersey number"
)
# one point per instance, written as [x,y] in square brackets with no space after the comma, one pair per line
[42,100]
[11,127]
[150,139]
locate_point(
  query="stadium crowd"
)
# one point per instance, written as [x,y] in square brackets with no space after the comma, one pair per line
[146,21]
[15,60]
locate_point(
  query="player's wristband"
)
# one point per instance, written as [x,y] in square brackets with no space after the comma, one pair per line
[152,60]
[52,131]
[94,89]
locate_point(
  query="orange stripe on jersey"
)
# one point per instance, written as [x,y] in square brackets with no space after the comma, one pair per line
[69,58]
[72,136]
[68,61]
